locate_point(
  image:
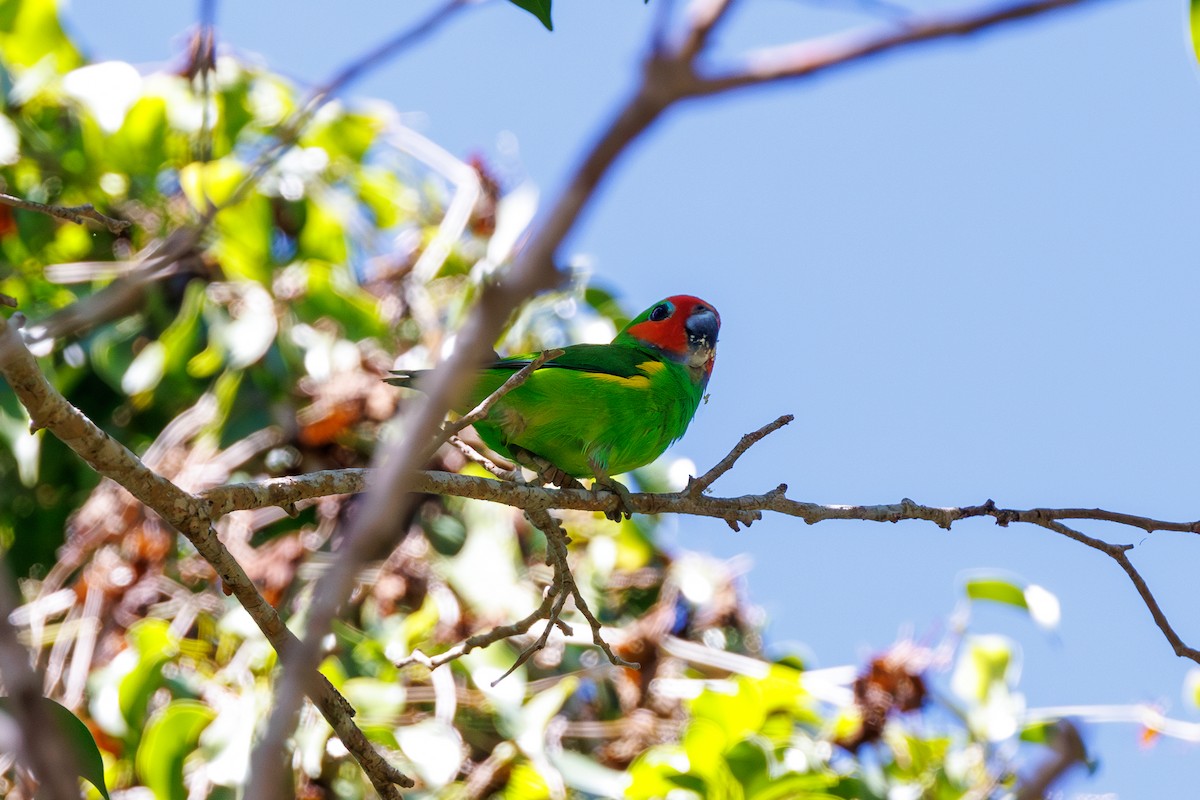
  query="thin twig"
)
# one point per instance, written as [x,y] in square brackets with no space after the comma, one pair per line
[77,214]
[1068,750]
[480,411]
[698,485]
[499,633]
[807,58]
[474,456]
[705,16]
[556,546]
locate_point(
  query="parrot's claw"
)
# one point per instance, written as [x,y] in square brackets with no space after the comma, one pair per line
[624,509]
[547,472]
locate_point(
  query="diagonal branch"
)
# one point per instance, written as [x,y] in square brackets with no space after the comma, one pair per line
[807,58]
[697,486]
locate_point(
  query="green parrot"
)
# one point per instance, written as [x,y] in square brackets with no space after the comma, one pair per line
[599,410]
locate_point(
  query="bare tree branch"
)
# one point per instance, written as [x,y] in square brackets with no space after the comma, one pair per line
[698,485]
[1068,750]
[157,261]
[705,16]
[499,633]
[743,510]
[77,214]
[807,58]
[49,410]
[556,545]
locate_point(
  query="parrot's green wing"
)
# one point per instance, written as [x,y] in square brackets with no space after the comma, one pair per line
[623,362]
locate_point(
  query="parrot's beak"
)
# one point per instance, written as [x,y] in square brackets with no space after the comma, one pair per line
[702,327]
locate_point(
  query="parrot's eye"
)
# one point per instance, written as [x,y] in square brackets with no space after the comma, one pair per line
[660,312]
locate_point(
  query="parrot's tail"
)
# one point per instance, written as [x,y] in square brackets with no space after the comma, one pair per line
[409,379]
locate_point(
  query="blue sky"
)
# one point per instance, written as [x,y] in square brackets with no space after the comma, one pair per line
[969,269]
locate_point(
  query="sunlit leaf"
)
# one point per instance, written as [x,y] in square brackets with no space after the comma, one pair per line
[30,33]
[211,181]
[997,590]
[25,447]
[155,646]
[1195,26]
[377,701]
[984,661]
[525,782]
[750,762]
[736,711]
[345,135]
[170,737]
[582,773]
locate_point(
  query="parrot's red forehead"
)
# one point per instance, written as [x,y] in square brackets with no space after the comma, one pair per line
[665,324]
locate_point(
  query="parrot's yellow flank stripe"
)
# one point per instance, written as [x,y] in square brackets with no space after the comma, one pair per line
[635,382]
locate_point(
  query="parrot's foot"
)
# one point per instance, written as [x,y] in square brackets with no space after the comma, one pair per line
[604,482]
[546,471]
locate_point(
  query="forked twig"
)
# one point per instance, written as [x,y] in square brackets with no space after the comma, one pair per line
[485,406]
[77,214]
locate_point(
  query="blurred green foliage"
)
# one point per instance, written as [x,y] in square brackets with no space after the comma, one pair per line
[258,351]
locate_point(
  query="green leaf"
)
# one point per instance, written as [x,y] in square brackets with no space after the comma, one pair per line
[984,664]
[750,762]
[87,762]
[30,32]
[155,646]
[539,8]
[997,590]
[1040,732]
[795,787]
[446,534]
[736,713]
[171,735]
[1196,27]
